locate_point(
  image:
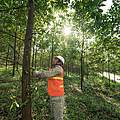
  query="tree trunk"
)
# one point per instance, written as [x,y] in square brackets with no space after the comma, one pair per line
[17,59]
[33,55]
[49,61]
[82,63]
[109,69]
[14,60]
[7,58]
[103,71]
[68,69]
[52,53]
[36,58]
[82,74]
[26,92]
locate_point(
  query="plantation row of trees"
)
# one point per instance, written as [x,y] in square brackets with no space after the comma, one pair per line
[32,33]
[50,17]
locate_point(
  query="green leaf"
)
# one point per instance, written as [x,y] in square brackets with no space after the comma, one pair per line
[7,5]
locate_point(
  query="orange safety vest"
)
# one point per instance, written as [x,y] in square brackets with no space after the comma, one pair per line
[56,85]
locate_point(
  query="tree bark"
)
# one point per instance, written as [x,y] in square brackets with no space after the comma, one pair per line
[109,69]
[33,55]
[7,58]
[52,53]
[36,58]
[26,91]
[82,74]
[82,62]
[14,60]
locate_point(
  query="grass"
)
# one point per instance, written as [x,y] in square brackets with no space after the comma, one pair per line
[97,101]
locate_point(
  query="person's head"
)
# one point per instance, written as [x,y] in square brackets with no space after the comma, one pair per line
[58,60]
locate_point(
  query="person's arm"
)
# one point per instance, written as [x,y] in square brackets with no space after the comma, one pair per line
[55,71]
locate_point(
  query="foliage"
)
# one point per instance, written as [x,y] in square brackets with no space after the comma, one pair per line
[97,101]
[92,103]
[10,101]
[94,37]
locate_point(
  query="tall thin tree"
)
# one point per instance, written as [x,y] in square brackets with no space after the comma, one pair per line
[26,92]
[14,58]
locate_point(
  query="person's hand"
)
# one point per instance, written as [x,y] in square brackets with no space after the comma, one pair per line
[36,74]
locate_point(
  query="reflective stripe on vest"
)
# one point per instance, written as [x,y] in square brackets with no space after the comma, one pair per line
[57,78]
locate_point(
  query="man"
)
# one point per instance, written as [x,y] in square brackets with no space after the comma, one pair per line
[55,87]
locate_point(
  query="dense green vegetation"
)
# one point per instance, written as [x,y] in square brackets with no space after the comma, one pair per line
[33,31]
[97,101]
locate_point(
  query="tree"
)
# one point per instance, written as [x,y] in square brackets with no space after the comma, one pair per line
[26,91]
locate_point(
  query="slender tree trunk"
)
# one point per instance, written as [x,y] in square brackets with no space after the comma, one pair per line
[52,53]
[87,71]
[49,60]
[86,67]
[35,58]
[7,58]
[109,69]
[82,62]
[41,58]
[114,76]
[68,69]
[14,60]
[26,91]
[103,71]
[18,57]
[82,74]
[33,55]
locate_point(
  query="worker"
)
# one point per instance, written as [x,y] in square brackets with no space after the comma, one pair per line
[55,87]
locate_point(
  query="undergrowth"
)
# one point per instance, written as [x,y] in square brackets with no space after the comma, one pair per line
[97,100]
